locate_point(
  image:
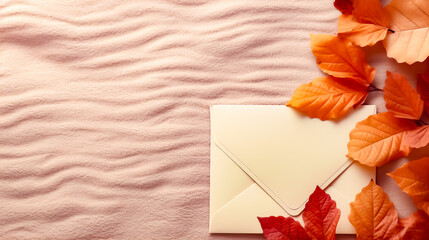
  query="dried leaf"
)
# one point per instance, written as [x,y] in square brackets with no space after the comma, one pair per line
[367,26]
[361,34]
[415,226]
[339,58]
[372,214]
[370,11]
[401,99]
[413,179]
[377,139]
[321,216]
[423,89]
[328,97]
[281,228]
[344,6]
[410,21]
[417,138]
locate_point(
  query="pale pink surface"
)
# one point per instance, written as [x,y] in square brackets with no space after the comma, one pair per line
[104,118]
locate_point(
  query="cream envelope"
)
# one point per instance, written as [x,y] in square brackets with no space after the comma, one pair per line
[266,160]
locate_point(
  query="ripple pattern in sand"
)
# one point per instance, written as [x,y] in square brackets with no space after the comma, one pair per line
[104,118]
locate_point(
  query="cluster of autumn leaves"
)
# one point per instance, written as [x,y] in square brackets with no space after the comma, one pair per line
[403,27]
[373,215]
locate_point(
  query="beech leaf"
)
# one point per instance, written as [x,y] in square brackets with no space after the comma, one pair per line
[401,99]
[415,226]
[410,21]
[339,58]
[281,228]
[344,6]
[423,89]
[368,25]
[417,138]
[413,179]
[372,214]
[328,97]
[361,34]
[377,139]
[321,216]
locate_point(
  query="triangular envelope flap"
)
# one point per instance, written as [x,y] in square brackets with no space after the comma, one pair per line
[285,152]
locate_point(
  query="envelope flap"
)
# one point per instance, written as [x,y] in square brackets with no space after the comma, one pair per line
[284,152]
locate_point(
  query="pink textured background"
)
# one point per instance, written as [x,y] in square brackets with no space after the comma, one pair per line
[104,118]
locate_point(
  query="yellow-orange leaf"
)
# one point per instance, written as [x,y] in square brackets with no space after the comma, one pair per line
[417,138]
[339,58]
[410,21]
[368,25]
[401,99]
[372,214]
[423,89]
[328,97]
[361,34]
[413,179]
[377,139]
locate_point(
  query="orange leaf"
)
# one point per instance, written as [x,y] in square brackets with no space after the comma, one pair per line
[417,138]
[413,179]
[367,26]
[344,6]
[339,58]
[328,97]
[372,214]
[410,21]
[377,139]
[401,99]
[321,216]
[415,226]
[361,34]
[281,228]
[423,89]
[370,11]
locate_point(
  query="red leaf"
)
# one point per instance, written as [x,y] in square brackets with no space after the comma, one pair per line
[415,226]
[321,216]
[416,138]
[423,89]
[281,228]
[344,6]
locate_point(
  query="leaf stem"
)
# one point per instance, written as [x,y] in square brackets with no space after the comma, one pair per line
[390,30]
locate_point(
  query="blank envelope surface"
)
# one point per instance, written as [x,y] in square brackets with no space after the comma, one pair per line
[273,156]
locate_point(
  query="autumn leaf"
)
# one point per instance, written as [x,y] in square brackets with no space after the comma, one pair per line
[372,214]
[377,139]
[413,179]
[415,226]
[361,34]
[328,97]
[339,58]
[423,89]
[344,6]
[281,228]
[321,216]
[410,21]
[417,138]
[401,99]
[367,25]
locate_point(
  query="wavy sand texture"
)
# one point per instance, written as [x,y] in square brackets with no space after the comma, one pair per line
[104,121]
